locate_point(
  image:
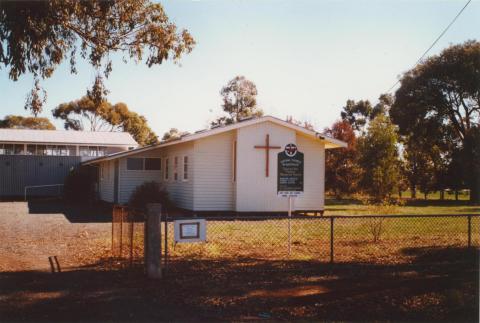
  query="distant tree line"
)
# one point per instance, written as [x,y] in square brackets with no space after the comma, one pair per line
[425,137]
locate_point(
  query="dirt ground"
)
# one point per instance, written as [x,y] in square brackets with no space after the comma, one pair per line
[440,284]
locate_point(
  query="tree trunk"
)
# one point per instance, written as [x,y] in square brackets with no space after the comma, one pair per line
[475,185]
[475,194]
[425,195]
[456,194]
[442,194]
[413,192]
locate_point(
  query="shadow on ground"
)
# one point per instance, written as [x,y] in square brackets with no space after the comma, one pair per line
[441,284]
[74,213]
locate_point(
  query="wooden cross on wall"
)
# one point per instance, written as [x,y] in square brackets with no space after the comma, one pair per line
[267,148]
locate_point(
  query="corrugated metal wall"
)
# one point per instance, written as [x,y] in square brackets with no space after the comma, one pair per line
[18,171]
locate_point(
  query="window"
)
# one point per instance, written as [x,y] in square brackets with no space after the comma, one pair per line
[185,168]
[134,163]
[72,150]
[102,151]
[84,152]
[175,168]
[31,150]
[8,149]
[18,149]
[41,150]
[92,151]
[62,151]
[166,169]
[153,164]
[234,160]
[51,150]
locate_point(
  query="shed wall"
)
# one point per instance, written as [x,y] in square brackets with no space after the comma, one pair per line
[18,171]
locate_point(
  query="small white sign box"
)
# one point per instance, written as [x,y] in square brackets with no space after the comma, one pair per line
[190,230]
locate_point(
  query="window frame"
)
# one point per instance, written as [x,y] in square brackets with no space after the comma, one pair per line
[175,168]
[166,170]
[135,170]
[152,170]
[185,172]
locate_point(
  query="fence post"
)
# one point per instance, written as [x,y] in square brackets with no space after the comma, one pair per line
[131,215]
[331,239]
[153,254]
[121,233]
[469,230]
[165,242]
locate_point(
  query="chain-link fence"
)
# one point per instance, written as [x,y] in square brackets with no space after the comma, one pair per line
[127,235]
[387,239]
[366,239]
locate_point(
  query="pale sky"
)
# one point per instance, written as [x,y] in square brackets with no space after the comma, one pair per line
[306,58]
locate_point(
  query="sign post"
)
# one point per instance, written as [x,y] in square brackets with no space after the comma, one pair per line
[290,170]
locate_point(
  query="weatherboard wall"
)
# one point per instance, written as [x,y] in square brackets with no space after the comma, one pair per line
[106,182]
[213,176]
[314,179]
[255,192]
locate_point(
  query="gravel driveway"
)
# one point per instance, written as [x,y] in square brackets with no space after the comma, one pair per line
[30,232]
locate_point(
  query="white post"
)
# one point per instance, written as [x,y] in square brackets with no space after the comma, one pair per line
[289,225]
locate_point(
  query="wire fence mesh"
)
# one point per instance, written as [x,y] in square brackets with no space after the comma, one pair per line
[127,235]
[369,239]
[341,239]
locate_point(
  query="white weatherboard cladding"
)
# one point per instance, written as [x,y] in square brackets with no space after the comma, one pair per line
[128,180]
[255,192]
[106,184]
[180,191]
[314,177]
[213,176]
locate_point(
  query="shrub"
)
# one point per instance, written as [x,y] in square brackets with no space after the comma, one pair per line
[376,228]
[79,185]
[149,192]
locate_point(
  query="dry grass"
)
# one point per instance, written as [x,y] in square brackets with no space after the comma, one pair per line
[354,239]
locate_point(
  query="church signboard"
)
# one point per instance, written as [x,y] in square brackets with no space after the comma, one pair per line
[290,171]
[190,230]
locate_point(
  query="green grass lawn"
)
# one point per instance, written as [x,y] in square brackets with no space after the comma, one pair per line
[449,195]
[417,207]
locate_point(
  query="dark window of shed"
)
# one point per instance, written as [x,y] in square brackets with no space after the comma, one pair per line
[153,163]
[134,163]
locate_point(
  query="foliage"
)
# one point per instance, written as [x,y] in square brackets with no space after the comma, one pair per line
[79,186]
[304,124]
[37,36]
[85,114]
[19,122]
[239,98]
[342,172]
[442,94]
[173,134]
[149,192]
[378,158]
[360,112]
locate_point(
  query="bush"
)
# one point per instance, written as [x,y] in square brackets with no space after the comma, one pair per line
[149,192]
[79,186]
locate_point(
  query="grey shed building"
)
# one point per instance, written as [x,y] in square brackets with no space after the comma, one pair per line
[44,157]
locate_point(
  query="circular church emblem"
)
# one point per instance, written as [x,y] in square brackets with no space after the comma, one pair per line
[291,150]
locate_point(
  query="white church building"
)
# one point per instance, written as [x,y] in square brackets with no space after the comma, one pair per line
[228,169]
